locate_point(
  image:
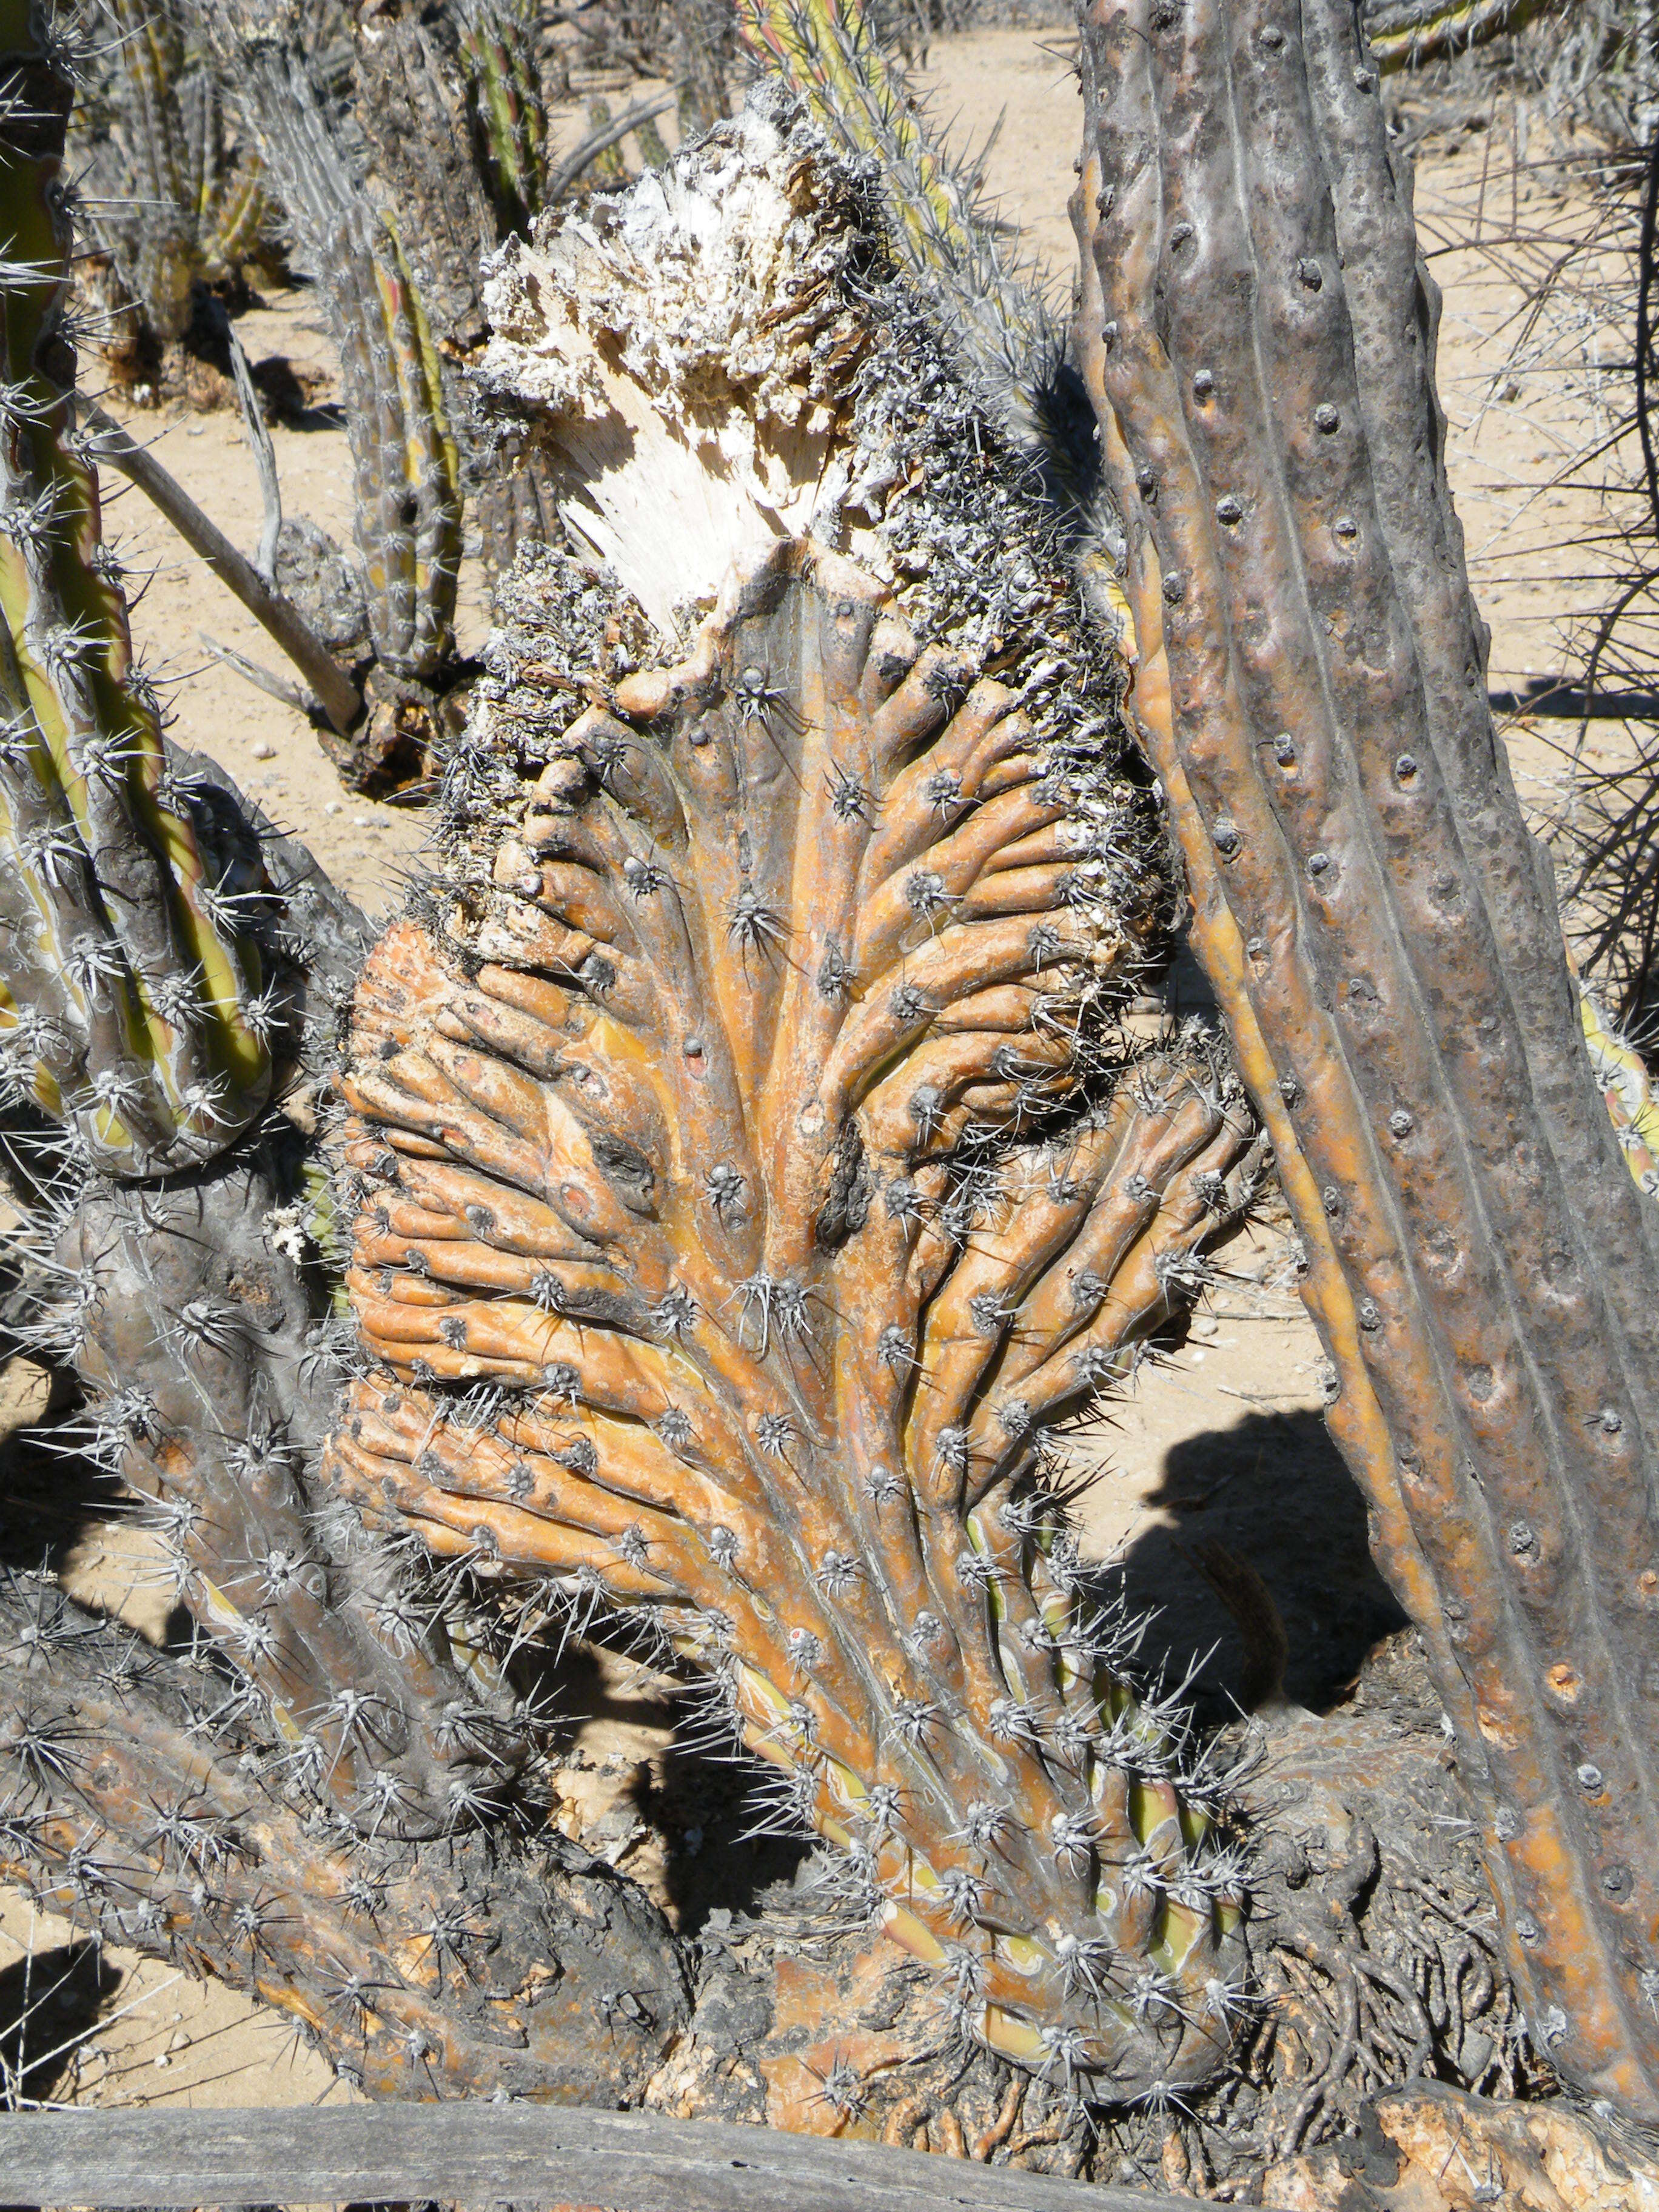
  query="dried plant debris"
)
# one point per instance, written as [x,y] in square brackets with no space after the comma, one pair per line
[750,1159]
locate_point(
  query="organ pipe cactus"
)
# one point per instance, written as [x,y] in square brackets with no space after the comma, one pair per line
[749,1157]
[1258,333]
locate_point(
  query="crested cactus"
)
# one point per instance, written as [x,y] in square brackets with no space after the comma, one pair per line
[750,1158]
[1258,334]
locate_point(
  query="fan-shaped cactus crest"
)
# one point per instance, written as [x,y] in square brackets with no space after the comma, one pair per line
[753,1161]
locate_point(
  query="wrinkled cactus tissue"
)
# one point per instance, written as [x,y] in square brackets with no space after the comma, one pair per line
[749,1155]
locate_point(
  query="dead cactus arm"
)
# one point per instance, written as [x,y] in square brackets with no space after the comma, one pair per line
[136,1808]
[1311,685]
[336,693]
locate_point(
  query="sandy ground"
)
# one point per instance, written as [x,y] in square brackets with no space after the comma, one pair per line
[1221,1442]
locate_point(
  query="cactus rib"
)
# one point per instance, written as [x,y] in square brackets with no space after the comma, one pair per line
[1311,685]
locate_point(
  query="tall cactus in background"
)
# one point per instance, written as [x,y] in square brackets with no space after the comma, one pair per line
[171,201]
[408,466]
[1258,333]
[750,1159]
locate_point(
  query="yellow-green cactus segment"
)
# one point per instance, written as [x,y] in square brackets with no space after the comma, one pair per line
[1626,1089]
[1418,30]
[66,656]
[431,460]
[811,39]
[510,100]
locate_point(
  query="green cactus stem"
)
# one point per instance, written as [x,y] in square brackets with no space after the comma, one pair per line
[137,1007]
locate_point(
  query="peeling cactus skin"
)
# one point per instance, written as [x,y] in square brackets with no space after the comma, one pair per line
[131,1805]
[1258,335]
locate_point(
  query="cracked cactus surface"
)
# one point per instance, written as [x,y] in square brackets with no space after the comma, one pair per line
[1258,332]
[751,1156]
[135,1003]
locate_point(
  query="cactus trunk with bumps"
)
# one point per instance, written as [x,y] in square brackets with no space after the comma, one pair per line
[752,1158]
[1258,332]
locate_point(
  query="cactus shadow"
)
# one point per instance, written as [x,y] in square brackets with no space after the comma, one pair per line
[50,2003]
[1267,1512]
[650,1778]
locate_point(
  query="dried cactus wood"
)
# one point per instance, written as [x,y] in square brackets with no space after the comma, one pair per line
[751,1161]
[1259,336]
[135,1806]
[135,1003]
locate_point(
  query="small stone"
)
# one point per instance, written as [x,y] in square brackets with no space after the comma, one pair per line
[1311,275]
[334,807]
[1204,384]
[1318,863]
[1401,1123]
[1405,768]
[1326,419]
[263,751]
[1229,510]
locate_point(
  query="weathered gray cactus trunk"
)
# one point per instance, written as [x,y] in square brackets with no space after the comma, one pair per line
[1258,332]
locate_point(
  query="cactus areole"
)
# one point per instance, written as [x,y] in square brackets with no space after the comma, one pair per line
[750,1155]
[1258,334]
